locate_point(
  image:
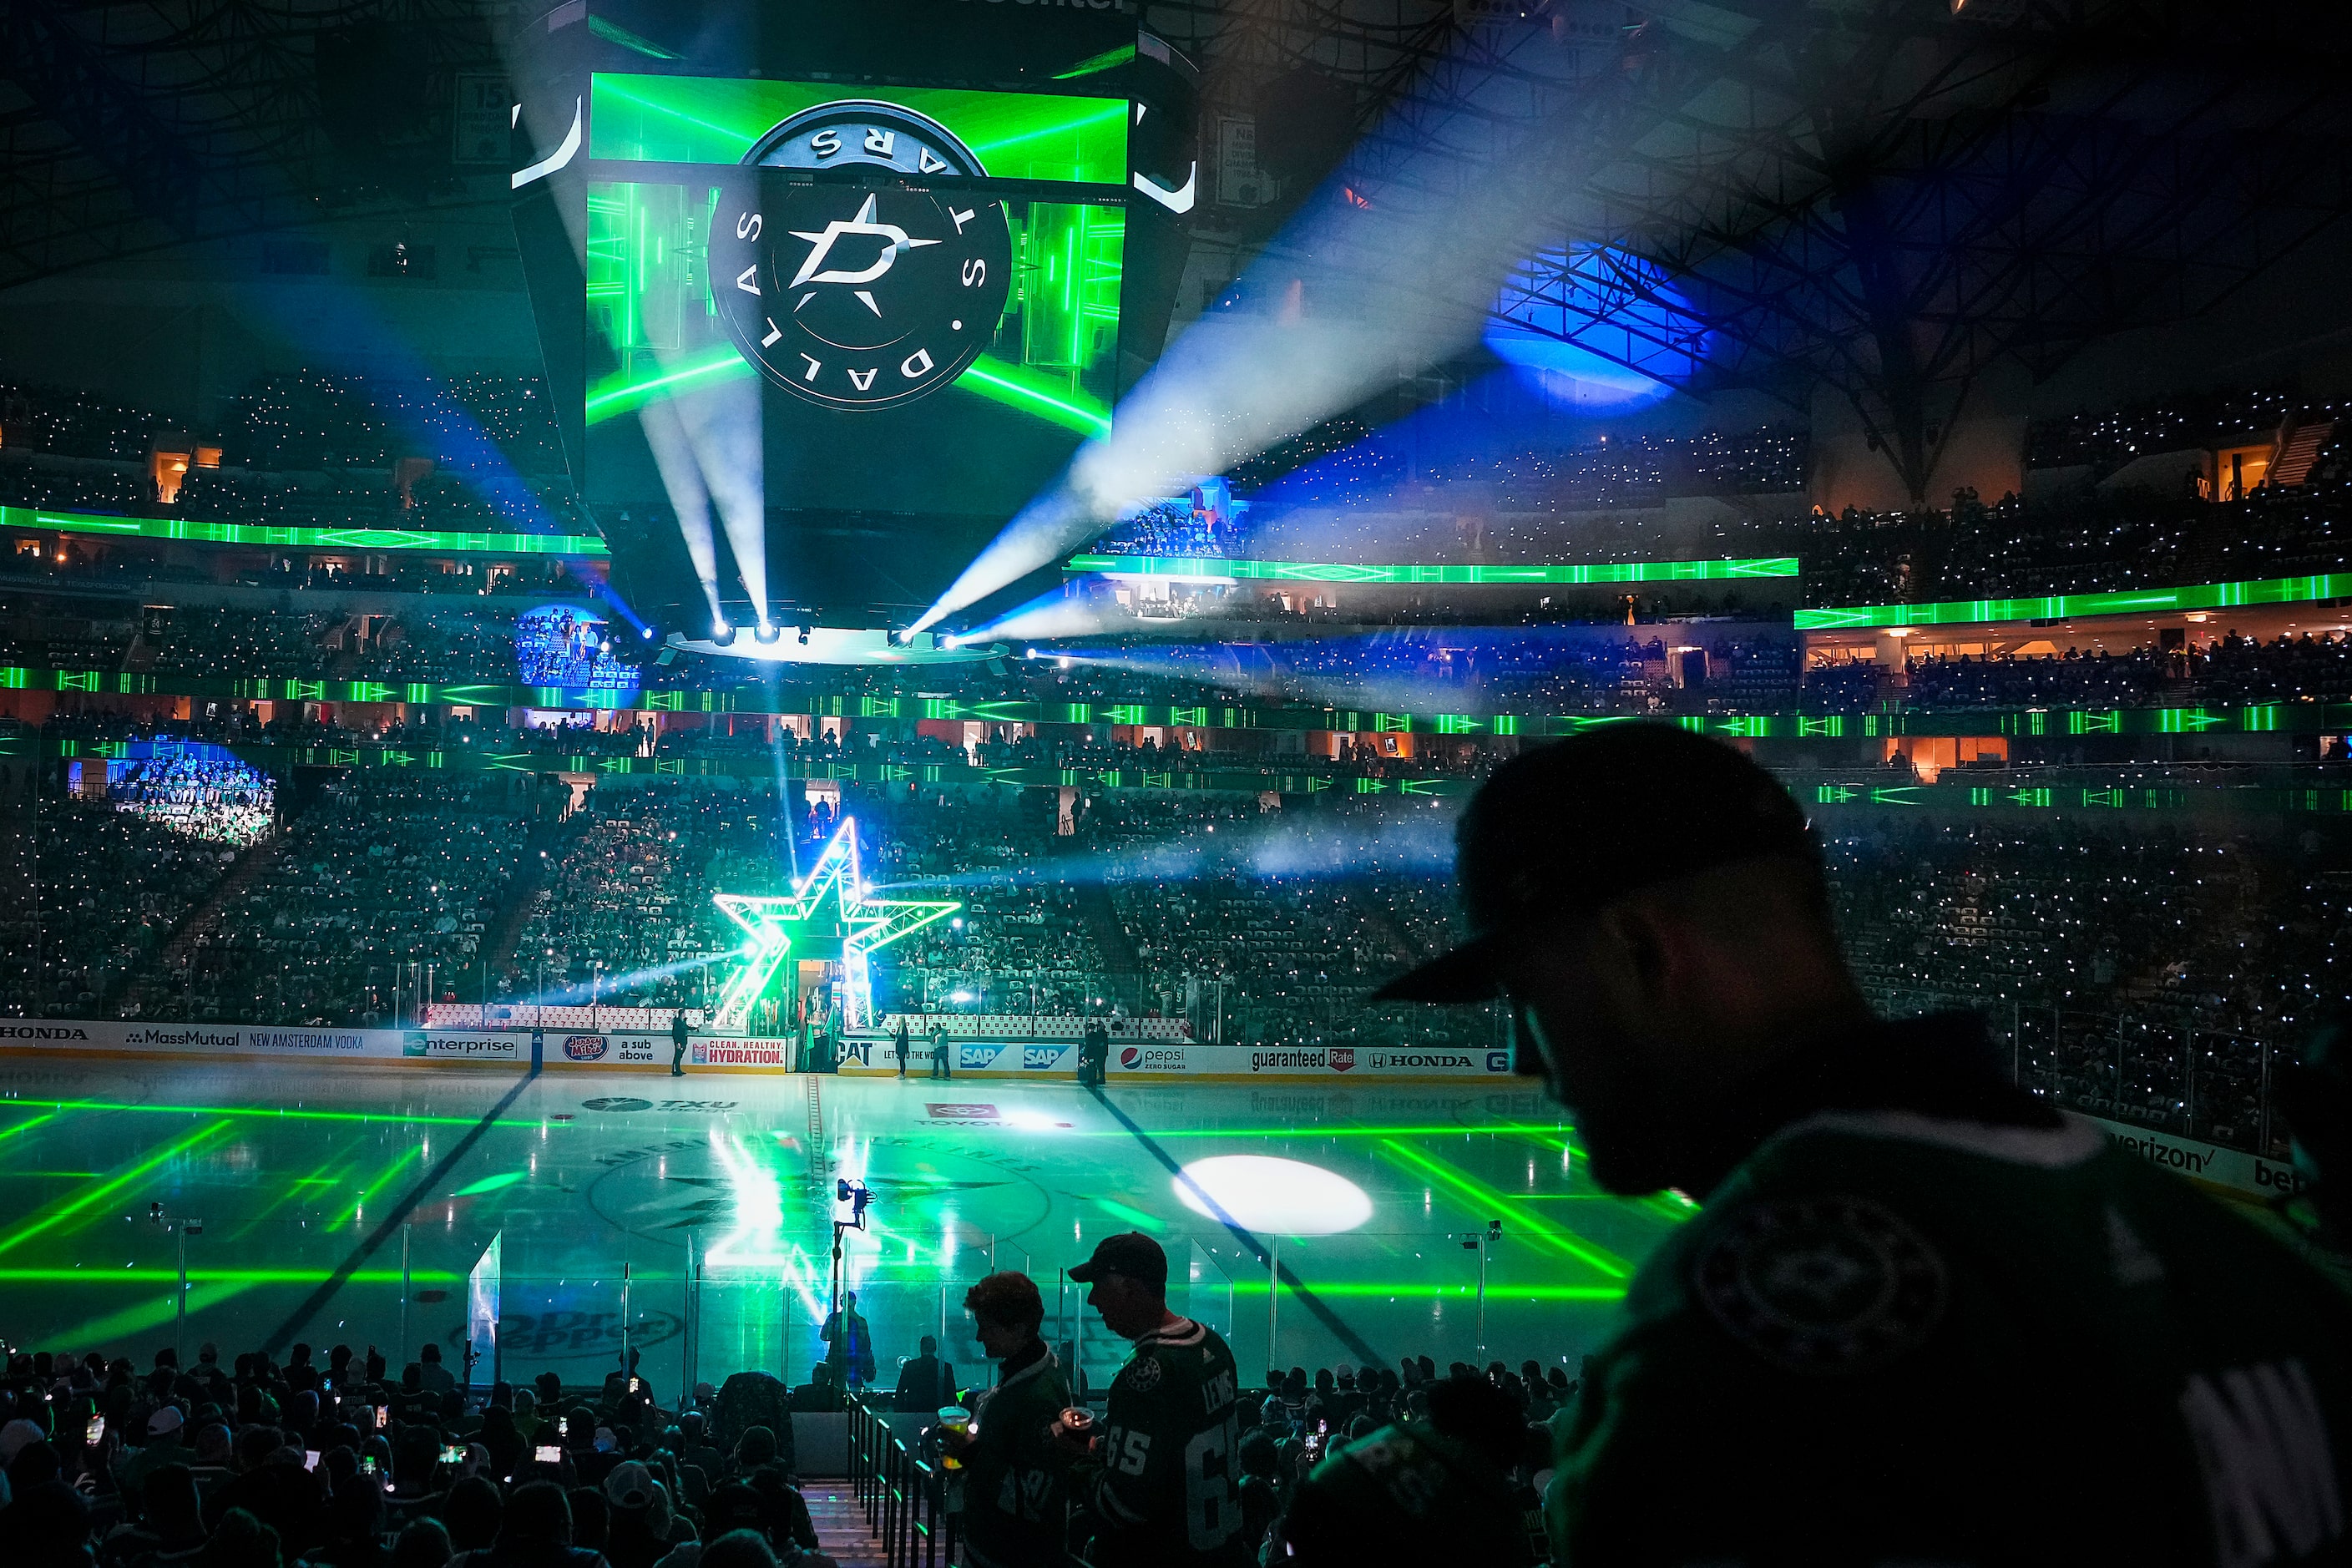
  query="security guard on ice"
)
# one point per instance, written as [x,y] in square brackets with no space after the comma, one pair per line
[1923,1317]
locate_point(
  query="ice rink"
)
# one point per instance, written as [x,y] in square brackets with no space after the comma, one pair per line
[695,1215]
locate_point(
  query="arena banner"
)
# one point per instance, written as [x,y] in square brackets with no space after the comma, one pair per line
[1309,1061]
[1145,1060]
[877,1055]
[144,1036]
[2232,1168]
[1029,1026]
[1139,1059]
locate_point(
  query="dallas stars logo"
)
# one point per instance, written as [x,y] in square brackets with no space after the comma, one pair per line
[867,926]
[822,243]
[866,294]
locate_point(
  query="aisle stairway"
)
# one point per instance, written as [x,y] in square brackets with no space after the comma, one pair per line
[841,1524]
[162,981]
[2301,451]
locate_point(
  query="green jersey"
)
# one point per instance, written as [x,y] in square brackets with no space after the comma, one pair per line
[1014,1512]
[1898,1337]
[1164,1486]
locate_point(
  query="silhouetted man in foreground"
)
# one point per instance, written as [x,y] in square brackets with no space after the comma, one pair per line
[1923,1317]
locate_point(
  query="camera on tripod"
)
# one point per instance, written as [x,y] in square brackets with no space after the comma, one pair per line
[855,1195]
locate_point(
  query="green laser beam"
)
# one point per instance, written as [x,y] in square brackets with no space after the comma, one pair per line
[279,1114]
[98,1194]
[492,1183]
[1494,1293]
[144,1275]
[1107,60]
[619,394]
[1488,1200]
[1501,1128]
[1116,110]
[996,379]
[390,1170]
[140,1316]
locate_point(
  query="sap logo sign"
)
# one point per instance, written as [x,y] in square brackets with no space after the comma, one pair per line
[975,1056]
[1037,1059]
[1498,1061]
[584,1047]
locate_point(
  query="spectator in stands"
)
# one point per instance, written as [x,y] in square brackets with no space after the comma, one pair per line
[1679,981]
[1013,1504]
[433,1377]
[1173,1400]
[848,1344]
[926,1383]
[535,1533]
[1431,1490]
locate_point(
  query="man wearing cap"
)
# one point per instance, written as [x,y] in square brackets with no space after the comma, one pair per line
[1922,1316]
[1163,1480]
[162,1448]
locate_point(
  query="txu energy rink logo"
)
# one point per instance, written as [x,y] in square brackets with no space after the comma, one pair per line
[864,289]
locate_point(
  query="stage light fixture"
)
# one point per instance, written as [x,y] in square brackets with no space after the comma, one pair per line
[722,634]
[766,632]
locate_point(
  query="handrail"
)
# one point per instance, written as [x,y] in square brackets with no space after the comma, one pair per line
[903,1493]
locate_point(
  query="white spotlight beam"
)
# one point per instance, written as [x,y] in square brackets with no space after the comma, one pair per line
[689,499]
[1366,289]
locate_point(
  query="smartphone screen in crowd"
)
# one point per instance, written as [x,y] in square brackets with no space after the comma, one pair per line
[310,1458]
[550,1453]
[96,1430]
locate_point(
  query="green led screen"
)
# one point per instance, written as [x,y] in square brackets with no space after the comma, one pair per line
[1213,568]
[705,119]
[921,286]
[1051,359]
[2060,606]
[200,531]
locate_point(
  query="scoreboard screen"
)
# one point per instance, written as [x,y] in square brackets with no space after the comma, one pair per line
[923,284]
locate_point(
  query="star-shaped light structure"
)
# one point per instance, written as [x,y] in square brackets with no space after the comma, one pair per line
[866,925]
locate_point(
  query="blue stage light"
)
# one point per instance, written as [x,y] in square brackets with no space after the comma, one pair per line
[1596,329]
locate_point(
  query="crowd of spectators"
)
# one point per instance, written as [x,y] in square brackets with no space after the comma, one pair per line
[213,799]
[99,891]
[343,1463]
[2113,961]
[310,419]
[387,882]
[346,1464]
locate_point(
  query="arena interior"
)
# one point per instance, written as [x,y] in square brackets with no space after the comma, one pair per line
[663,662]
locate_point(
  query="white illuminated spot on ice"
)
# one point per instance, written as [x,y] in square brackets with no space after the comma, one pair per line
[1279,1198]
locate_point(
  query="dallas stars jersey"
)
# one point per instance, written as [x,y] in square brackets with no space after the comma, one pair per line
[1014,1513]
[1891,1337]
[1165,1486]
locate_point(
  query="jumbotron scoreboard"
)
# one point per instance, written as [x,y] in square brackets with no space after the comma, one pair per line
[914,254]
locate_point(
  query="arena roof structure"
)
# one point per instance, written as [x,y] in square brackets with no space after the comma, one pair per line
[1882,199]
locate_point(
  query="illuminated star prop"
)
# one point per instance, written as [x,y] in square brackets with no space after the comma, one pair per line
[866,925]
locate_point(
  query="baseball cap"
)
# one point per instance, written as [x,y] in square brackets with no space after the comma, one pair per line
[166,1419]
[1569,828]
[630,1485]
[1131,1253]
